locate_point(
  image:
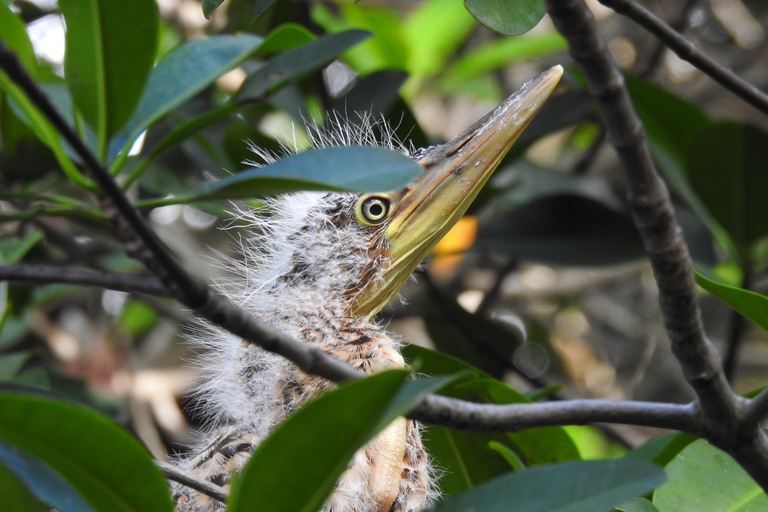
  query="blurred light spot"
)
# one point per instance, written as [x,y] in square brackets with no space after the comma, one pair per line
[339,78]
[531,359]
[47,36]
[470,299]
[571,322]
[231,81]
[745,30]
[542,307]
[514,321]
[113,301]
[137,144]
[678,69]
[166,214]
[538,277]
[282,128]
[197,219]
[623,51]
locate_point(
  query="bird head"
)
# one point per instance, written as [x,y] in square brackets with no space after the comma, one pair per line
[409,222]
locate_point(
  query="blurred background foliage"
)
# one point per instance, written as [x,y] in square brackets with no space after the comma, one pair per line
[543,286]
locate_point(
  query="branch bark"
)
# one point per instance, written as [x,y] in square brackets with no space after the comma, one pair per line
[171,472]
[46,274]
[721,410]
[689,52]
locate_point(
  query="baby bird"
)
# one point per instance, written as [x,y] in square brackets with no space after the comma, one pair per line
[319,266]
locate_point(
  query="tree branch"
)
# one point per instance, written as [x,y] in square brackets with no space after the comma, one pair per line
[171,472]
[689,52]
[722,411]
[47,274]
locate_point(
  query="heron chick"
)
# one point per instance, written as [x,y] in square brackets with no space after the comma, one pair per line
[319,267]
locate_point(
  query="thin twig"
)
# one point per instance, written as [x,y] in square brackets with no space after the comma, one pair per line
[678,24]
[48,274]
[199,484]
[688,51]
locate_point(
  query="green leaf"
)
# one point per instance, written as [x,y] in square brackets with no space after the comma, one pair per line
[209,6]
[579,486]
[507,17]
[12,249]
[285,37]
[260,7]
[82,446]
[726,166]
[752,305]
[44,483]
[567,229]
[10,364]
[361,168]
[184,72]
[660,450]
[16,496]
[637,505]
[703,478]
[297,466]
[511,457]
[16,39]
[298,61]
[111,46]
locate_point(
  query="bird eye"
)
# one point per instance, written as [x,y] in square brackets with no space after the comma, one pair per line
[374,209]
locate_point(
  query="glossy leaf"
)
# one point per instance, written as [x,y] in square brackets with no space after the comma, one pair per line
[297,466]
[82,446]
[752,305]
[361,168]
[637,505]
[507,17]
[298,61]
[184,72]
[703,478]
[108,58]
[726,166]
[565,229]
[47,485]
[578,486]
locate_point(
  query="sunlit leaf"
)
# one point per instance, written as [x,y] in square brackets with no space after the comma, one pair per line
[16,39]
[703,478]
[752,305]
[510,17]
[108,58]
[578,486]
[82,446]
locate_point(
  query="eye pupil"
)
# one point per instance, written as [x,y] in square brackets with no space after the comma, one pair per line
[375,209]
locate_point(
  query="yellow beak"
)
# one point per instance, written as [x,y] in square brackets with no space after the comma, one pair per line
[454,172]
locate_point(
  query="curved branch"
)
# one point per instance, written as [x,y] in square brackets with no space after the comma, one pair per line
[47,274]
[171,472]
[689,52]
[450,412]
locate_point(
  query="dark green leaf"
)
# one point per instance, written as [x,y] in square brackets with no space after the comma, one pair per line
[511,457]
[297,466]
[10,364]
[580,486]
[184,72]
[753,306]
[297,61]
[703,478]
[507,17]
[285,37]
[46,484]
[726,166]
[260,7]
[16,39]
[209,6]
[111,46]
[16,496]
[660,450]
[565,229]
[361,168]
[637,505]
[12,249]
[82,446]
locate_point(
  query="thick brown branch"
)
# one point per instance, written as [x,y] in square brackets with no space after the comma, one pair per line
[721,409]
[47,274]
[688,51]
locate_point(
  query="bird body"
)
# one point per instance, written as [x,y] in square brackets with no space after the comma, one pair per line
[318,266]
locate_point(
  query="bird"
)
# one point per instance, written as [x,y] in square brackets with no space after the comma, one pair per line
[319,266]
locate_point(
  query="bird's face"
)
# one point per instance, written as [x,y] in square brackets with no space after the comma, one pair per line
[413,219]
